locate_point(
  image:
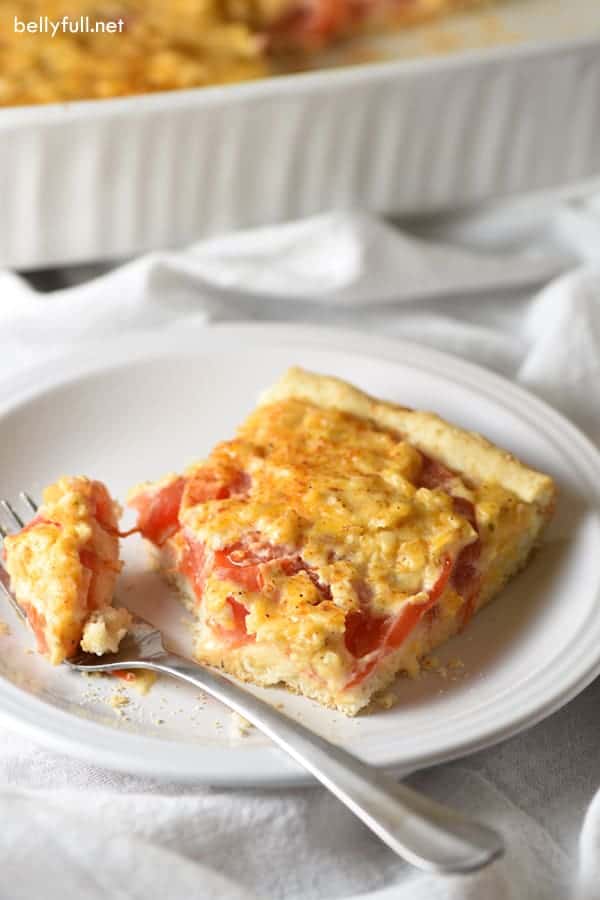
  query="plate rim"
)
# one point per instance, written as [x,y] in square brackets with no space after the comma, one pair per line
[265,765]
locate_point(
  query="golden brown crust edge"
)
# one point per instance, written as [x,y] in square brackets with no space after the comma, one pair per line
[466,452]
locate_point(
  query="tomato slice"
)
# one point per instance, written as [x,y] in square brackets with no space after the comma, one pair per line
[313,24]
[194,564]
[95,564]
[465,508]
[294,564]
[238,634]
[247,576]
[103,508]
[467,580]
[39,520]
[38,623]
[103,511]
[208,485]
[465,577]
[439,586]
[235,563]
[329,18]
[124,674]
[158,511]
[366,633]
[465,571]
[434,474]
[241,562]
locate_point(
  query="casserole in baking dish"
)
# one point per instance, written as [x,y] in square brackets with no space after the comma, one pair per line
[416,131]
[57,50]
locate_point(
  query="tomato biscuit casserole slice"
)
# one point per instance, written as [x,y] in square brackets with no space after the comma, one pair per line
[337,539]
[63,567]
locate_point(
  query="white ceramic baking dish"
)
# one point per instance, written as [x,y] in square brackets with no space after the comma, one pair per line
[107,179]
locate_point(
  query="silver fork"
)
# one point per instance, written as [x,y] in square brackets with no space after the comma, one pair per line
[425,833]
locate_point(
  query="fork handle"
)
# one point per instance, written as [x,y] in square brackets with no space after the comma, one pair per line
[421,831]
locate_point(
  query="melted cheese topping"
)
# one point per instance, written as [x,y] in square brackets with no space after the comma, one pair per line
[64,564]
[344,496]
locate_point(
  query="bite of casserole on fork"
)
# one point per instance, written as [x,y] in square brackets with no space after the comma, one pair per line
[63,566]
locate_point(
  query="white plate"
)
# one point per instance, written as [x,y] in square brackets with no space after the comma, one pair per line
[143,408]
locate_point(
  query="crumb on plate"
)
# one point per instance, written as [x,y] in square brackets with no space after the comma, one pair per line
[118,699]
[241,727]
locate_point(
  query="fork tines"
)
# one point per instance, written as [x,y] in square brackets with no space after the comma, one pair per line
[10,523]
[12,517]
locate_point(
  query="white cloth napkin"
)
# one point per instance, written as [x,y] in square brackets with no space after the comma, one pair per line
[516,289]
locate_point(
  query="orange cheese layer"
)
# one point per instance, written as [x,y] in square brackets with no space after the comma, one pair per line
[323,535]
